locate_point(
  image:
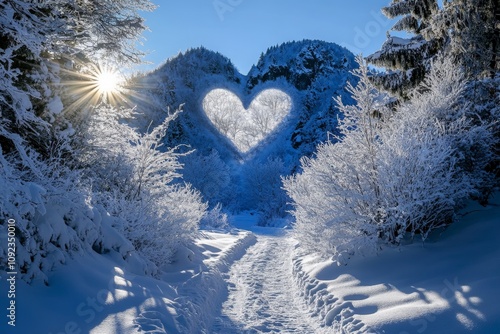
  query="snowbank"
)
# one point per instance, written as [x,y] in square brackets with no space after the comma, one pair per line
[199,276]
[100,294]
[450,284]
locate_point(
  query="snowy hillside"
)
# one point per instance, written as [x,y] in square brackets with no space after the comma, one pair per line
[310,72]
[318,71]
[450,284]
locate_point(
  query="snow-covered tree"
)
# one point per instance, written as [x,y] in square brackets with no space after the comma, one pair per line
[408,59]
[209,174]
[38,39]
[337,196]
[225,112]
[133,175]
[267,110]
[465,30]
[473,31]
[40,189]
[44,176]
[104,29]
[391,174]
[38,34]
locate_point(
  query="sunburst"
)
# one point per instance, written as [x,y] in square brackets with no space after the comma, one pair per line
[93,84]
[87,85]
[108,82]
[104,83]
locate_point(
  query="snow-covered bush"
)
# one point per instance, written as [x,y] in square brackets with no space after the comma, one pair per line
[390,173]
[433,157]
[262,189]
[215,218]
[133,175]
[209,174]
[53,216]
[484,98]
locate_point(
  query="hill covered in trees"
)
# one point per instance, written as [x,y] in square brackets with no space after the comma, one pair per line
[309,72]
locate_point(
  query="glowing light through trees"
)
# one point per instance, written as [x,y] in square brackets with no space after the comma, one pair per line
[93,84]
[246,128]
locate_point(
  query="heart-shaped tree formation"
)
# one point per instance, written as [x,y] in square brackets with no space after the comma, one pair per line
[246,128]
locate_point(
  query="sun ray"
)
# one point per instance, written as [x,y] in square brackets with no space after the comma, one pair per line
[87,85]
[107,82]
[90,84]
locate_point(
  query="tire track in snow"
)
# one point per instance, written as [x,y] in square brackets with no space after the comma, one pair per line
[262,295]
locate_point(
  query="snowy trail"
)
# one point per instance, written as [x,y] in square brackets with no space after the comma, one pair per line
[262,295]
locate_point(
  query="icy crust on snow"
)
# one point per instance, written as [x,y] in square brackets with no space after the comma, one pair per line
[449,286]
[101,294]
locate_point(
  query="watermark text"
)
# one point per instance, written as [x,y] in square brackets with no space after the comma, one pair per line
[11,272]
[224,6]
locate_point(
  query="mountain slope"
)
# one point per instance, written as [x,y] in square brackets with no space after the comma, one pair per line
[310,72]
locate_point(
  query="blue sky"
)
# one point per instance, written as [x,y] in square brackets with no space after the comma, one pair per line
[243,29]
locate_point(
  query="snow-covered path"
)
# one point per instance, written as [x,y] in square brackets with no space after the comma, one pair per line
[262,295]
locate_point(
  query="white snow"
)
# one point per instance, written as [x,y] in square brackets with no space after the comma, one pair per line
[99,294]
[263,282]
[262,294]
[450,284]
[55,105]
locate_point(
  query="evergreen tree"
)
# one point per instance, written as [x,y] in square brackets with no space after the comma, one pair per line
[473,31]
[466,30]
[408,59]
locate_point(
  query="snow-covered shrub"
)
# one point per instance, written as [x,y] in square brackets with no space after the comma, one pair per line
[483,95]
[133,174]
[215,218]
[262,189]
[53,215]
[40,190]
[336,197]
[433,157]
[391,173]
[209,174]
[158,225]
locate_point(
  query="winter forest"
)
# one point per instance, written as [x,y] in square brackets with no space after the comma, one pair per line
[322,192]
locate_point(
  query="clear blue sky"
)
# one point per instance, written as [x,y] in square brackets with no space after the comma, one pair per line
[242,29]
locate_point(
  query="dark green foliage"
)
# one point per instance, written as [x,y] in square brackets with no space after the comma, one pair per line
[468,31]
